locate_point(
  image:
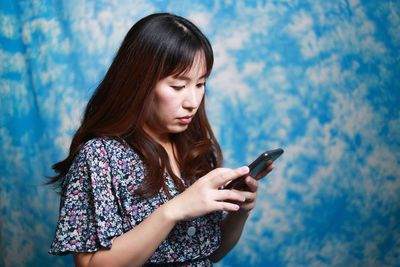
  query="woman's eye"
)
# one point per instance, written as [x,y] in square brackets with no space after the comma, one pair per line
[200,85]
[178,87]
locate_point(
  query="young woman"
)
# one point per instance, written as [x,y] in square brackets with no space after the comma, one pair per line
[142,184]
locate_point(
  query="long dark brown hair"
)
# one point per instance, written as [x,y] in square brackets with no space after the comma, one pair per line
[155,47]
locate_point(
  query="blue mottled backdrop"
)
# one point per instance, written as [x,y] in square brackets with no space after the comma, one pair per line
[318,78]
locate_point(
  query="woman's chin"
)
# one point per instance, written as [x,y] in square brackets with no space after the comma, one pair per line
[179,128]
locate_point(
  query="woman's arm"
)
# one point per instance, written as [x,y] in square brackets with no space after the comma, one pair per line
[133,248]
[231,230]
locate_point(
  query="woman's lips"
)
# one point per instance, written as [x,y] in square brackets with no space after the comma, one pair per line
[185,120]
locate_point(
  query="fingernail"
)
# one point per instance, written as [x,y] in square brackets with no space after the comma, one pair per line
[244,169]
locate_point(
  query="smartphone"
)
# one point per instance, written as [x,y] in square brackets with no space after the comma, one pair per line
[255,168]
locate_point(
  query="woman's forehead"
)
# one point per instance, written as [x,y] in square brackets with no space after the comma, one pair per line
[198,68]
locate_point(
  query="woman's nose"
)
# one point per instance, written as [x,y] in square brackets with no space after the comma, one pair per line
[191,98]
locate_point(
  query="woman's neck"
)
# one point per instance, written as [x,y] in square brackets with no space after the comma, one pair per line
[162,138]
[165,141]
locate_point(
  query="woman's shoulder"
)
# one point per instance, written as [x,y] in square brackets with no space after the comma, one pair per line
[106,145]
[104,142]
[107,155]
[109,148]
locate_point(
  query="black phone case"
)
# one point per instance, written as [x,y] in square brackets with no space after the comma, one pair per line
[255,168]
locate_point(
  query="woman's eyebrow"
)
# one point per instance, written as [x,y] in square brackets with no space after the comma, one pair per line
[185,78]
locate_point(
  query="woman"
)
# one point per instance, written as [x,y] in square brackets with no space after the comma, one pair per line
[142,183]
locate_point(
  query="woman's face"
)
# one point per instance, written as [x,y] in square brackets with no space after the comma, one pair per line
[176,100]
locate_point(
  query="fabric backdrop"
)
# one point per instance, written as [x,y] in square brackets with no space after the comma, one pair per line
[318,78]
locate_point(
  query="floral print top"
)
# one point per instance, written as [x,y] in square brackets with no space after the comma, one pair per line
[98,204]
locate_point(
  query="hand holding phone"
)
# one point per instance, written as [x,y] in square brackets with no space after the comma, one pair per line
[256,167]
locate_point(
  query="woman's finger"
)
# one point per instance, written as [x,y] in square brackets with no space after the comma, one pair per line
[251,183]
[269,165]
[228,206]
[231,195]
[222,176]
[249,196]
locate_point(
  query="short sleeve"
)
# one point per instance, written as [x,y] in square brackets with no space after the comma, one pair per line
[89,215]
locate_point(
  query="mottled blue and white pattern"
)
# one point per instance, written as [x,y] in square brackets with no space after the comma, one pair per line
[318,78]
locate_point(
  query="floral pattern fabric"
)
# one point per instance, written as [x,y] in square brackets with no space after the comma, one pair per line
[98,204]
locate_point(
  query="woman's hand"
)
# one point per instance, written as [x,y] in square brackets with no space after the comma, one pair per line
[232,225]
[269,165]
[250,193]
[204,196]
